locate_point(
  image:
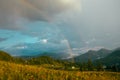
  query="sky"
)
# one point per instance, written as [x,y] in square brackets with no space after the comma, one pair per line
[29,27]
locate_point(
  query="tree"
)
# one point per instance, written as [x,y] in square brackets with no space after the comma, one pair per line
[90,65]
[99,66]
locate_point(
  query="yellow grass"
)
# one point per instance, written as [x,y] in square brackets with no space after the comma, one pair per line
[12,71]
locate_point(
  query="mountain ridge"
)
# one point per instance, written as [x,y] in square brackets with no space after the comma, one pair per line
[93,55]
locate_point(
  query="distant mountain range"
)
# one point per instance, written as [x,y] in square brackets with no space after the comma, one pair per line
[59,55]
[107,57]
[30,49]
[93,55]
[113,58]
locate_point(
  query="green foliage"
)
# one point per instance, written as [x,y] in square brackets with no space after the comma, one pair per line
[111,59]
[87,66]
[41,60]
[99,66]
[90,65]
[5,56]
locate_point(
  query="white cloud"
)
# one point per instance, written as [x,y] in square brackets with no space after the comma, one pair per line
[44,41]
[86,49]
[21,47]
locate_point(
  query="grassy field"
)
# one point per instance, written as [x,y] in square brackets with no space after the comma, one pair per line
[12,71]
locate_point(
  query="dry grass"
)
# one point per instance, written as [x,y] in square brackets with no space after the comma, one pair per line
[11,71]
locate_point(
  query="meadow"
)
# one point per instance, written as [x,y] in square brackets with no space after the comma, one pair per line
[13,71]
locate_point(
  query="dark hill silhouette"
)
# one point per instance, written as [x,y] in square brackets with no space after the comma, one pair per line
[5,56]
[113,58]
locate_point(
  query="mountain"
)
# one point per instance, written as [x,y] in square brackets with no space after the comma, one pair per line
[117,48]
[5,56]
[58,55]
[113,58]
[55,55]
[93,55]
[33,49]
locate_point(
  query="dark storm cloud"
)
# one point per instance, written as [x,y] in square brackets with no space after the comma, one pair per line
[14,12]
[3,39]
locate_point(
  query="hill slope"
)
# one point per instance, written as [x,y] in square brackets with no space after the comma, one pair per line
[113,58]
[5,56]
[93,55]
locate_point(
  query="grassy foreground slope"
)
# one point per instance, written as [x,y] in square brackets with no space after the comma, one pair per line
[5,56]
[12,71]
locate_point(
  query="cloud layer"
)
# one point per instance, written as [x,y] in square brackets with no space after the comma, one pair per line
[13,12]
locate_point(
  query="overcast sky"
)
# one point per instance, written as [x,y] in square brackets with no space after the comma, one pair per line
[52,24]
